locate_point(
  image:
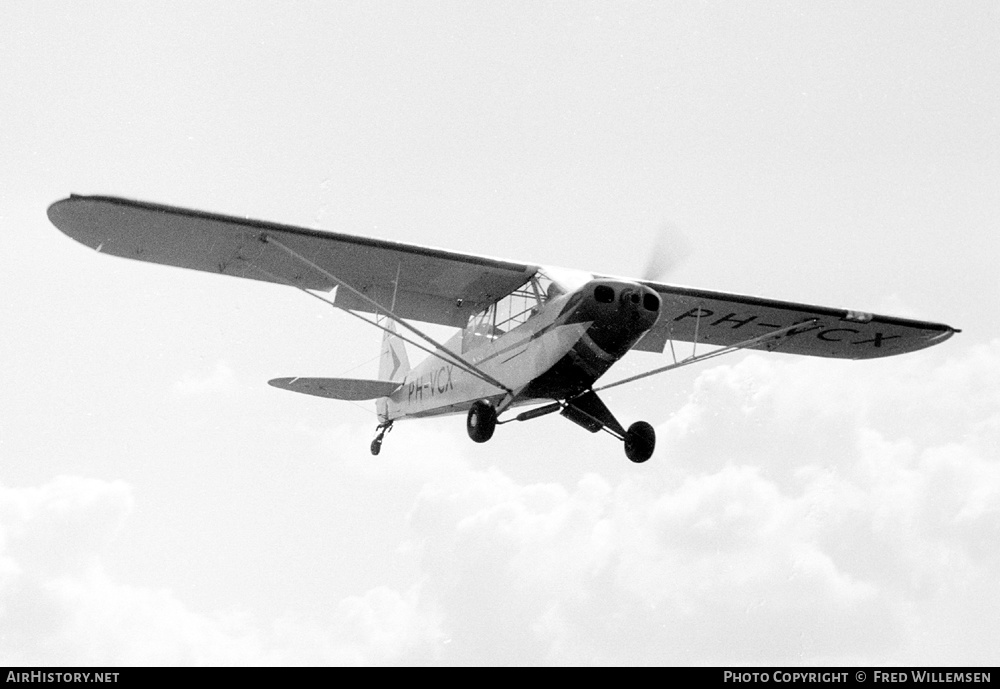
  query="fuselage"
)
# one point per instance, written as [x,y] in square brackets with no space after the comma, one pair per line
[567,340]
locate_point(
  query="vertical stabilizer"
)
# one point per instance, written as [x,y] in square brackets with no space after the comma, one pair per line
[393,364]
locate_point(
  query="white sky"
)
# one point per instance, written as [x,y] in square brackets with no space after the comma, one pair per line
[159,503]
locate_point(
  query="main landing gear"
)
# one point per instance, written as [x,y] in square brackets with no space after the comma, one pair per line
[380,431]
[586,410]
[640,441]
[481,421]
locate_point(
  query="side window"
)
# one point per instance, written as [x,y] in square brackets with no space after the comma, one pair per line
[479,330]
[507,313]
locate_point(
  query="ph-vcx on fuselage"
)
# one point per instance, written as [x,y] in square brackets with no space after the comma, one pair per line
[526,334]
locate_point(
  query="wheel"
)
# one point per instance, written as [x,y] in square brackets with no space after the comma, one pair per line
[376,446]
[640,440]
[482,421]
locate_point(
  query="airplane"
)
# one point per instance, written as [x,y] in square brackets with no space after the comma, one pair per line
[526,334]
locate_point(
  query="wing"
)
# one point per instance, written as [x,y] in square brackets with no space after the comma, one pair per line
[435,286]
[718,318]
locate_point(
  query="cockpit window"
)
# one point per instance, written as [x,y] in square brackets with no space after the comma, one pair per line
[509,312]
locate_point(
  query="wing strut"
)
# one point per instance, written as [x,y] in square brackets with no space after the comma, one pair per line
[279,278]
[608,424]
[456,359]
[709,355]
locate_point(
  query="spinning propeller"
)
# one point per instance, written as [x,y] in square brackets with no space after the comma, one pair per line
[670,248]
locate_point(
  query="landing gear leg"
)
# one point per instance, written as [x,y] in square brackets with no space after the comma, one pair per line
[379,434]
[589,411]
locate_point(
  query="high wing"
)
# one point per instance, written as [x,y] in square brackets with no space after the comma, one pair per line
[434,285]
[445,287]
[722,319]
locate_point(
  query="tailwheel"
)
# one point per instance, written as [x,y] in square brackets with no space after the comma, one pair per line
[640,440]
[482,421]
[380,430]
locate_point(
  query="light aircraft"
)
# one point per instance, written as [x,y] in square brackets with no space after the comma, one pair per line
[527,334]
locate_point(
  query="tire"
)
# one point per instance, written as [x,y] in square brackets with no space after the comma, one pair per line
[482,421]
[640,441]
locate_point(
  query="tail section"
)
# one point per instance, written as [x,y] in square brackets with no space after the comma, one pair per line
[393,364]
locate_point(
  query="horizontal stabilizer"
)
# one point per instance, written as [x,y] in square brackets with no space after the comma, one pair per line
[337,388]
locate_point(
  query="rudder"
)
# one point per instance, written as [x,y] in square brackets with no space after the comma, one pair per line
[393,364]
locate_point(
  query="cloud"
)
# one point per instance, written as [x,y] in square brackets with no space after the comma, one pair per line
[798,521]
[58,606]
[385,626]
[538,574]
[59,528]
[793,515]
[220,380]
